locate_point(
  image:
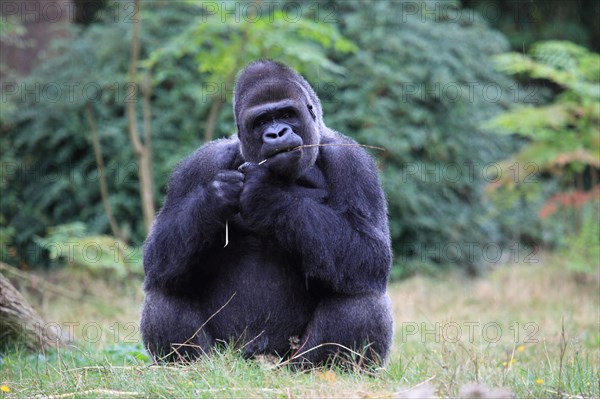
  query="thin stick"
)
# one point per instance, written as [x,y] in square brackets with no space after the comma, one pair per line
[332,145]
[299,355]
[226,233]
[114,227]
[197,331]
[341,145]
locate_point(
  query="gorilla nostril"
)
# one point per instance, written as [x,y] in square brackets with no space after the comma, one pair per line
[275,133]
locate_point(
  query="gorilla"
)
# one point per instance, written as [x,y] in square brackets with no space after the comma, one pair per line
[275,240]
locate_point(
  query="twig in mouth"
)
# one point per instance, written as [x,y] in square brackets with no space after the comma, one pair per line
[330,145]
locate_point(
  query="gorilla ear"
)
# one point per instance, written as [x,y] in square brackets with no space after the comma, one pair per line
[311,112]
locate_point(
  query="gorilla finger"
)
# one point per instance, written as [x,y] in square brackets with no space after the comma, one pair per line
[230,176]
[227,189]
[247,167]
[217,187]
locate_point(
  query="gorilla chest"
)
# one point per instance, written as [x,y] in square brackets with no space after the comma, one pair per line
[256,265]
[263,286]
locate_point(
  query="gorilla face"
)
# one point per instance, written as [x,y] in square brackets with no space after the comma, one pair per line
[275,116]
[277,127]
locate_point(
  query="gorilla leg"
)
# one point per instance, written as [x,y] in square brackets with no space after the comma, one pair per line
[170,328]
[360,323]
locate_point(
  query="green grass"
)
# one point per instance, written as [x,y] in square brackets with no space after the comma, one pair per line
[533,329]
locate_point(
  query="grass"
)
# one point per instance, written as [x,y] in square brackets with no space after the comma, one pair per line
[533,329]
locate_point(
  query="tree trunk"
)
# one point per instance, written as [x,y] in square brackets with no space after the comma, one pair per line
[142,151]
[19,322]
[102,176]
[219,99]
[211,123]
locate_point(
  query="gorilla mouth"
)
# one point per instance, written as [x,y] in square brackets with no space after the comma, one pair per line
[277,151]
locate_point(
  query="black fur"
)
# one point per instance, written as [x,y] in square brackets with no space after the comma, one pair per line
[309,250]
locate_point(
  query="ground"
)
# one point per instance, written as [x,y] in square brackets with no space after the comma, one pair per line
[531,329]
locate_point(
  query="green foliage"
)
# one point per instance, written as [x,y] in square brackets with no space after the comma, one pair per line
[12,31]
[419,85]
[126,353]
[417,88]
[583,247]
[563,135]
[100,254]
[221,47]
[526,22]
[49,174]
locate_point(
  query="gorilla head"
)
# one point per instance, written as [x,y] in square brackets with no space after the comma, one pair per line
[276,111]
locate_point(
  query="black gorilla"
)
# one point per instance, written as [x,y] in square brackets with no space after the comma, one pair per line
[308,252]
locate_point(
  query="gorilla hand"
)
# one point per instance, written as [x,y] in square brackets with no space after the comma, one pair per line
[261,200]
[226,189]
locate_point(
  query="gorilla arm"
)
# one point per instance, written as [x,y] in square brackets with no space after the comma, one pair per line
[202,193]
[343,242]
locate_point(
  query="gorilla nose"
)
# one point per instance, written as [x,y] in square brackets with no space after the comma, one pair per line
[275,133]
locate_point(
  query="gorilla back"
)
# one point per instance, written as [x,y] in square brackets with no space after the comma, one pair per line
[304,273]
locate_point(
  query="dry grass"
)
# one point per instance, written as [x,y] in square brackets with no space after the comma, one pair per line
[511,330]
[552,352]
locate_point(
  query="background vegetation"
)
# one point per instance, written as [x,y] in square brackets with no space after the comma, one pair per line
[432,87]
[489,111]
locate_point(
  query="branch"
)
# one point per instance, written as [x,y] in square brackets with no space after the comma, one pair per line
[138,147]
[146,180]
[147,114]
[216,106]
[218,101]
[101,174]
[142,151]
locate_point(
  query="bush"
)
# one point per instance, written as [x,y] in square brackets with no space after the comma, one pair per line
[400,91]
[102,255]
[561,151]
[49,171]
[51,174]
[417,88]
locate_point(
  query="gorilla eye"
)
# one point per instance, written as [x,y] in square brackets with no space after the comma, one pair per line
[287,114]
[260,122]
